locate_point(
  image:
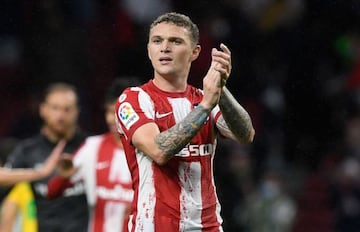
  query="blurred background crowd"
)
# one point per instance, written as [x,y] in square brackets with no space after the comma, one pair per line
[296,69]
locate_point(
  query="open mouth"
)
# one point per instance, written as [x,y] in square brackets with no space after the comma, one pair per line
[165,60]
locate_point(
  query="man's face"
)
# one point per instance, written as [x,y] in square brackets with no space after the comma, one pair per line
[60,112]
[171,50]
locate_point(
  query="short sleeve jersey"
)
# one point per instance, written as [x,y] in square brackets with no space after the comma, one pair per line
[181,195]
[102,167]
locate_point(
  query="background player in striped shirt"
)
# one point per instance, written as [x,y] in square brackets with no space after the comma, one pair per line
[101,164]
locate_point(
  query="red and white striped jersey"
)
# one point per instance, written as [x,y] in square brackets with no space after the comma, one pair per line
[103,167]
[181,195]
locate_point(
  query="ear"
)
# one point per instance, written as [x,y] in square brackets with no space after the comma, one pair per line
[196,52]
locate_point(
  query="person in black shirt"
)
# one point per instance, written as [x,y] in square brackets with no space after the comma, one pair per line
[59,111]
[14,176]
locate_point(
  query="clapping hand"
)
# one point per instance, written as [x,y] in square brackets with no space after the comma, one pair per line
[65,166]
[217,75]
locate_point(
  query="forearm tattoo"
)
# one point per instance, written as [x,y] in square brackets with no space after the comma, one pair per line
[177,137]
[236,117]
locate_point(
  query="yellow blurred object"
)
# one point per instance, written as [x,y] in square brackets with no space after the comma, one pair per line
[19,207]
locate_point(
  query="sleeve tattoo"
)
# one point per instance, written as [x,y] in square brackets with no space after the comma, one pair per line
[177,137]
[236,117]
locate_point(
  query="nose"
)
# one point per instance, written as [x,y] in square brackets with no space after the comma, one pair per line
[165,46]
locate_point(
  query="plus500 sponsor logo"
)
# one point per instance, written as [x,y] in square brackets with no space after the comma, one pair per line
[196,150]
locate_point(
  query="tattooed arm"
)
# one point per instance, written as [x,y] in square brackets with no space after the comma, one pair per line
[235,118]
[174,139]
[169,142]
[235,121]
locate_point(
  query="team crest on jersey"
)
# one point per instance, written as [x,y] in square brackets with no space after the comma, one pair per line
[127,115]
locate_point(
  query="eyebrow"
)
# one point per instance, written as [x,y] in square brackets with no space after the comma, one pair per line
[172,38]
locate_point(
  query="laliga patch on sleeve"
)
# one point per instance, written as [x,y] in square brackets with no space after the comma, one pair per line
[127,115]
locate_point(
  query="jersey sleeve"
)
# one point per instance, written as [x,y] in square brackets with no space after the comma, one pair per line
[80,155]
[133,109]
[80,160]
[56,186]
[221,124]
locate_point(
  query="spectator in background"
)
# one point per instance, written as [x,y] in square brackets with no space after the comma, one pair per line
[101,164]
[345,178]
[59,111]
[65,56]
[169,131]
[149,9]
[345,195]
[269,208]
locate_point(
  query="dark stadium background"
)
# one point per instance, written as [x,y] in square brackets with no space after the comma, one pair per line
[296,68]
